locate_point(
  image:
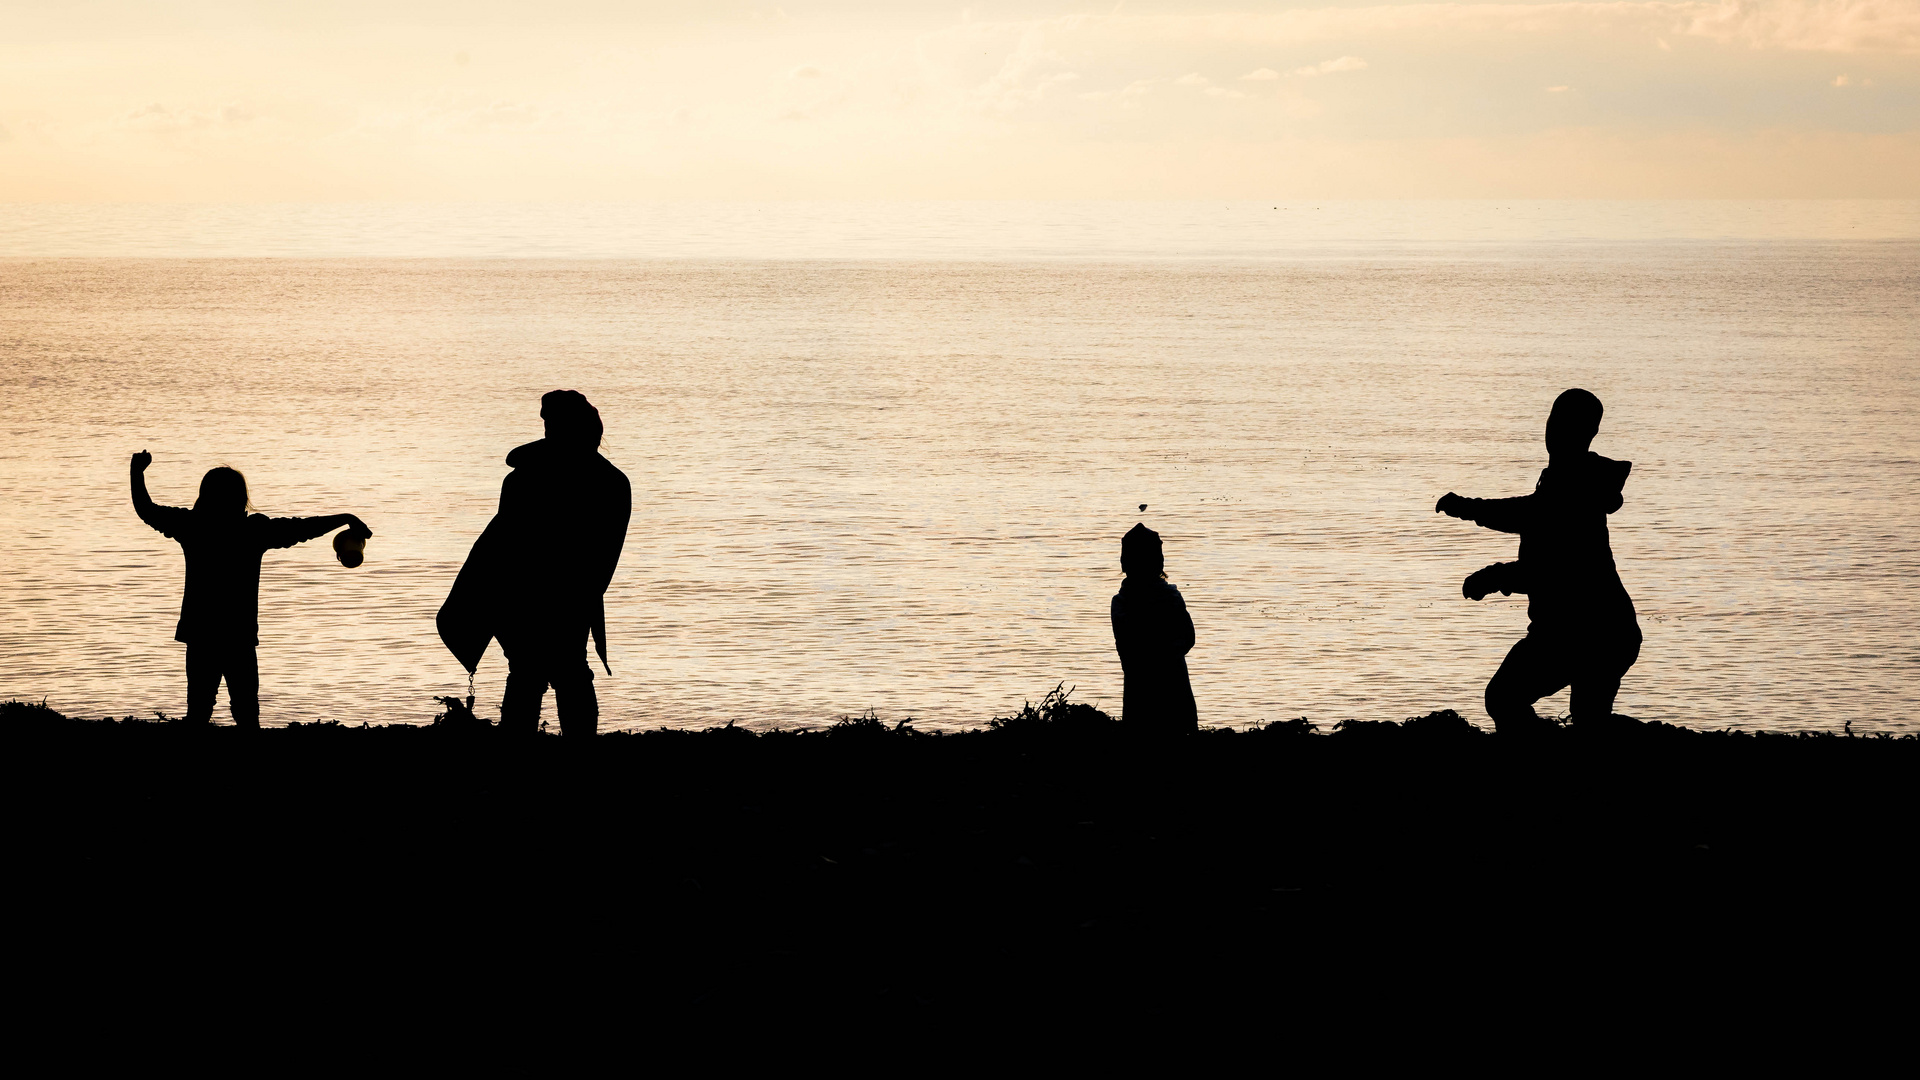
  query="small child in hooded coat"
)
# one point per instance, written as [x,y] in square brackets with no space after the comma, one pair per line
[1153,633]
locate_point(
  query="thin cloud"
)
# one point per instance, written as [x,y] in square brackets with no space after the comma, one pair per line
[1328,67]
[1815,25]
[156,117]
[1811,25]
[1265,74]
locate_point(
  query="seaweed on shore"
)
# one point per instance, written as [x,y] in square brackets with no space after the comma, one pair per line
[1042,812]
[1444,724]
[868,725]
[1298,727]
[1055,715]
[458,716]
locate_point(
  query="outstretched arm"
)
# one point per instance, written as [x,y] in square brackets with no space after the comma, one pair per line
[325,525]
[1504,515]
[1505,578]
[291,531]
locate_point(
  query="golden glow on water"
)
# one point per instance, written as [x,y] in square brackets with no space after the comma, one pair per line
[902,485]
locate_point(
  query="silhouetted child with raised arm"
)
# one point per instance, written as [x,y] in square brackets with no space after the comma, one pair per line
[1154,633]
[1583,631]
[220,613]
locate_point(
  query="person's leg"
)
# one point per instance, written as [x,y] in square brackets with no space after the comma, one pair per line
[242,667]
[203,682]
[1595,689]
[526,684]
[1530,672]
[573,695]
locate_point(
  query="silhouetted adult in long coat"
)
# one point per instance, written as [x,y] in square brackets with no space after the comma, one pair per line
[1154,633]
[1583,631]
[537,577]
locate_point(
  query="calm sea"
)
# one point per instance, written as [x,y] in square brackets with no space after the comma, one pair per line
[883,455]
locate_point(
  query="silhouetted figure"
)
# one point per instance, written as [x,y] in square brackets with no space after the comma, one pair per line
[1583,632]
[1154,633]
[220,612]
[537,577]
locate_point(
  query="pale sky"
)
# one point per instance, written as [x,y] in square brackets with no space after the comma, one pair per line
[232,100]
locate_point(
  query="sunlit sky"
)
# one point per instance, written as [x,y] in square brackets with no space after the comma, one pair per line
[575,99]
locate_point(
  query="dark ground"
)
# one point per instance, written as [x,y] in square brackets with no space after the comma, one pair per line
[1064,821]
[1058,862]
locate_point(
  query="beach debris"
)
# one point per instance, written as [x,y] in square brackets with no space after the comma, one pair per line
[459,716]
[1299,725]
[1055,714]
[868,724]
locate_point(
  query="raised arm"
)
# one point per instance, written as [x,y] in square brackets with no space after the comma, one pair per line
[137,474]
[164,519]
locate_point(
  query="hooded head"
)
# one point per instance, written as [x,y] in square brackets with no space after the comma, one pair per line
[223,493]
[1574,422]
[1141,554]
[572,421]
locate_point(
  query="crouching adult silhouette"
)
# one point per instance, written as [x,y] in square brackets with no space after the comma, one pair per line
[537,578]
[1582,630]
[1153,633]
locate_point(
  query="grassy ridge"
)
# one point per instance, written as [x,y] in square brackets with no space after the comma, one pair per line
[1058,811]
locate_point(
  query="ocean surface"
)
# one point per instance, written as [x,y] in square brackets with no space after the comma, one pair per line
[883,455]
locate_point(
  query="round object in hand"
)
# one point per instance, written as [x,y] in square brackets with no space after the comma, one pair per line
[351,549]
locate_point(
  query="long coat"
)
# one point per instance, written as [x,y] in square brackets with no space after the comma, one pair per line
[544,562]
[1154,633]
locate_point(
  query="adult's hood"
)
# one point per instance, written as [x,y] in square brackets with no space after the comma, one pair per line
[537,452]
[1599,478]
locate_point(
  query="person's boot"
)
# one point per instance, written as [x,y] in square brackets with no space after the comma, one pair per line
[1608,725]
[520,705]
[579,709]
[1524,724]
[514,723]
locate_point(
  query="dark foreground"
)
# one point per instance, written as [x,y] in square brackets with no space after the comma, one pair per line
[1071,820]
[1054,863]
